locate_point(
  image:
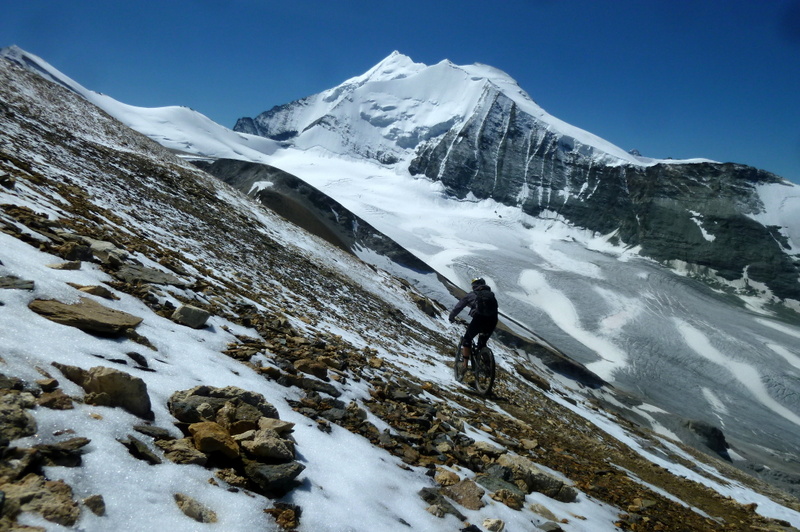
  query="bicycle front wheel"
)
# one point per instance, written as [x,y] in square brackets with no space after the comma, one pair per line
[484,371]
[458,368]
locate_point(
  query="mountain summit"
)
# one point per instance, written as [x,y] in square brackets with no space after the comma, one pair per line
[398,105]
[473,129]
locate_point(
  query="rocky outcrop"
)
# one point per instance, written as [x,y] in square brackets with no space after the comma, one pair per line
[238,431]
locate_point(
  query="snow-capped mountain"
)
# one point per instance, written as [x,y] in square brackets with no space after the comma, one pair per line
[474,130]
[460,167]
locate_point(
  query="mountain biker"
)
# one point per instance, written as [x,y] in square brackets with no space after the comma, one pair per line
[483,309]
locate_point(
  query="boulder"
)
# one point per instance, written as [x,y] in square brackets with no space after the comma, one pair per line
[96,290]
[106,252]
[15,420]
[312,367]
[237,416]
[55,400]
[709,435]
[425,305]
[445,477]
[522,469]
[106,386]
[286,515]
[70,265]
[86,315]
[96,504]
[182,451]
[439,505]
[133,273]
[191,316]
[52,499]
[74,251]
[66,453]
[15,283]
[279,426]
[140,450]
[494,525]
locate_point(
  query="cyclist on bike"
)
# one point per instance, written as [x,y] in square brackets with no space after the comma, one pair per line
[483,309]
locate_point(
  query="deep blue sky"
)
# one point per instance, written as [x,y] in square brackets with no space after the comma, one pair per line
[672,78]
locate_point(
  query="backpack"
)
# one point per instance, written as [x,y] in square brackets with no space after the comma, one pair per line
[486,303]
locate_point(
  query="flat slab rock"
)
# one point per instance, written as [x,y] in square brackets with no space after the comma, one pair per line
[15,283]
[86,315]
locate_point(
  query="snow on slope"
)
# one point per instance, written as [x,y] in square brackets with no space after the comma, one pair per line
[402,103]
[782,209]
[178,128]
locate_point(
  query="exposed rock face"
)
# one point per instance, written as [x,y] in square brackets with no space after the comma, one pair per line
[87,315]
[696,213]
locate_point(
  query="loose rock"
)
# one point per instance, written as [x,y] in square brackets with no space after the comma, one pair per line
[106,386]
[191,508]
[466,493]
[191,316]
[87,315]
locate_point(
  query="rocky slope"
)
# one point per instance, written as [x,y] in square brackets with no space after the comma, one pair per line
[310,324]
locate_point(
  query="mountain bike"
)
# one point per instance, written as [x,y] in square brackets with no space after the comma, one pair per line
[480,361]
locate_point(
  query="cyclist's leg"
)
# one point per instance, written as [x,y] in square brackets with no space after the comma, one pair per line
[473,329]
[485,328]
[466,346]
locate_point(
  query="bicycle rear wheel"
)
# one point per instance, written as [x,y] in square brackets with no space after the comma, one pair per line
[484,371]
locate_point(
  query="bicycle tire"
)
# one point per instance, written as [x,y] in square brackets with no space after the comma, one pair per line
[484,370]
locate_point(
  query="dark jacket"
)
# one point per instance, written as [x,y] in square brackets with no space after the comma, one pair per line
[470,300]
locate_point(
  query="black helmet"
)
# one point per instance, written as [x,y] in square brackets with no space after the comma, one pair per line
[478,282]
